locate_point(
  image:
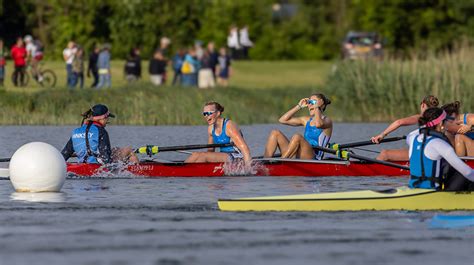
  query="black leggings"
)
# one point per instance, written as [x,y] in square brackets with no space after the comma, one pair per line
[457,182]
[19,71]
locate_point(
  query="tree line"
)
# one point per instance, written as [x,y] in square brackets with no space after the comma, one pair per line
[280,29]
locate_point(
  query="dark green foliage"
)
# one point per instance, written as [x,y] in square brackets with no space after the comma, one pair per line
[314,31]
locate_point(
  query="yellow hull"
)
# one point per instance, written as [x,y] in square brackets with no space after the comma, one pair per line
[366,200]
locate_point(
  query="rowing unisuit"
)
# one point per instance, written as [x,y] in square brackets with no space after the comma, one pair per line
[223,138]
[430,153]
[316,137]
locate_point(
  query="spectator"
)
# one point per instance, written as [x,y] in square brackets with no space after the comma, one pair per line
[164,46]
[177,64]
[78,68]
[190,69]
[2,63]
[223,68]
[205,76]
[68,55]
[245,42]
[103,65]
[157,68]
[214,55]
[233,42]
[92,68]
[18,53]
[133,66]
[199,50]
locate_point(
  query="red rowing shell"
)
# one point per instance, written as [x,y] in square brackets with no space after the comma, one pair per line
[266,168]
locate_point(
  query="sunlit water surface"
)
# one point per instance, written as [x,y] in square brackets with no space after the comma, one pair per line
[133,220]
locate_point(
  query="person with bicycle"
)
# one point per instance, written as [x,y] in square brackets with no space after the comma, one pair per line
[34,56]
[18,53]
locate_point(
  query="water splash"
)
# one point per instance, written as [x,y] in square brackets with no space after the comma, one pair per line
[112,170]
[238,168]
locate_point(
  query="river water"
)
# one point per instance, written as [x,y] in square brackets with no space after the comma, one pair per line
[132,220]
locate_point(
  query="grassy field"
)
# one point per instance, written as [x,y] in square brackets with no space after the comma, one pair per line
[246,74]
[260,92]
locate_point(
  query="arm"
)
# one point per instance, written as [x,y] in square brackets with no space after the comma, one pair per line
[448,153]
[210,140]
[68,150]
[234,133]
[464,128]
[412,120]
[105,150]
[288,118]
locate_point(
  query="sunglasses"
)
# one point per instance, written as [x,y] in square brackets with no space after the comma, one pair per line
[207,113]
[312,101]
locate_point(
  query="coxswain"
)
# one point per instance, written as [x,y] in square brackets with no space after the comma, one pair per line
[221,131]
[402,154]
[429,150]
[462,129]
[90,142]
[318,130]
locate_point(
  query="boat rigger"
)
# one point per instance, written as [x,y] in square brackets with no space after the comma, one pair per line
[402,198]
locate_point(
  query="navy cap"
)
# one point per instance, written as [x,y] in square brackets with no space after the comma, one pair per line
[100,110]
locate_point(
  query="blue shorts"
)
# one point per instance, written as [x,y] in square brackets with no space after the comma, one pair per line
[2,72]
[224,73]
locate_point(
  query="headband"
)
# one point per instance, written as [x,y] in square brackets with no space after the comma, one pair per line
[437,121]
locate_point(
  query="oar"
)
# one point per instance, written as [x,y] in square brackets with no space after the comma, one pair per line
[5,160]
[364,143]
[347,155]
[154,149]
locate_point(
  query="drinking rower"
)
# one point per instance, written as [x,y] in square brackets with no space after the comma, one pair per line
[91,143]
[428,152]
[317,132]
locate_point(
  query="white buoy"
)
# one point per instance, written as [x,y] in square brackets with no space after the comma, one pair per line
[37,167]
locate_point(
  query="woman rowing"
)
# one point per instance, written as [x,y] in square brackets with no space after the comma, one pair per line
[318,130]
[429,149]
[90,142]
[221,131]
[402,154]
[462,127]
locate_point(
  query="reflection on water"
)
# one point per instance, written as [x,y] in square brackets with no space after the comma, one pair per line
[38,196]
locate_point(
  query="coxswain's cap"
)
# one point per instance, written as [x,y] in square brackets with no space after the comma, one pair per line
[101,111]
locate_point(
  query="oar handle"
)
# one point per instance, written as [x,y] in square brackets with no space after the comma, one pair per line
[364,143]
[346,155]
[154,149]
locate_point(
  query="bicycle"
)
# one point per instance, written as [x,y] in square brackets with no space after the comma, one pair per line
[45,78]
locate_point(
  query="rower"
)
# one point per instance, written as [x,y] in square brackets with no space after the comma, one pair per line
[402,154]
[221,131]
[462,127]
[428,152]
[90,142]
[318,130]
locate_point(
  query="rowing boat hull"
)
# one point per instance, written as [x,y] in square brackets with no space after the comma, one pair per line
[266,168]
[366,200]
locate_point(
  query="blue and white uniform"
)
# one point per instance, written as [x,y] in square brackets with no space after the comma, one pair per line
[95,148]
[471,133]
[316,137]
[223,138]
[433,157]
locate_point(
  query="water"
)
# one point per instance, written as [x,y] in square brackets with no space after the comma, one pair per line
[175,220]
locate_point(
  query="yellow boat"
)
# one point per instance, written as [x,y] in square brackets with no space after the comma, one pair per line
[402,198]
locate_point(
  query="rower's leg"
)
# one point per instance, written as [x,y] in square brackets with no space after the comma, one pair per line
[394,155]
[464,145]
[294,146]
[276,139]
[193,157]
[208,157]
[124,154]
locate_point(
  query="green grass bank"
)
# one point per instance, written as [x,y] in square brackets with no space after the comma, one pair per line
[260,92]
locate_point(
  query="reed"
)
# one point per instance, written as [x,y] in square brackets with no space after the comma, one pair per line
[370,90]
[147,105]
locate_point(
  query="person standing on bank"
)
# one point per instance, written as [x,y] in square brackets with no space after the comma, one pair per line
[103,64]
[68,56]
[92,68]
[157,68]
[133,66]
[2,63]
[18,53]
